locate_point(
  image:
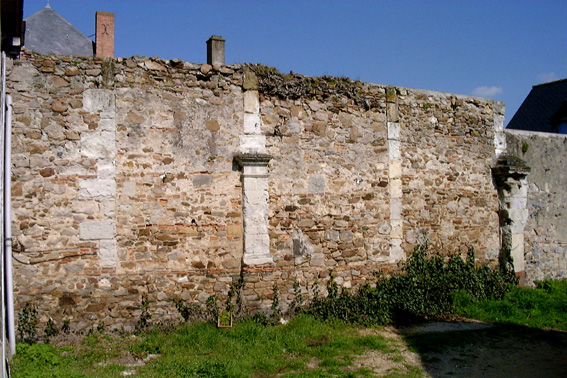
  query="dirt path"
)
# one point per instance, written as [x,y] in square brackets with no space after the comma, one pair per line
[469,349]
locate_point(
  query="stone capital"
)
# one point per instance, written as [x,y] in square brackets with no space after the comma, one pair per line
[252,159]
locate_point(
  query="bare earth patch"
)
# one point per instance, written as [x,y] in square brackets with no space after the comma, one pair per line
[471,349]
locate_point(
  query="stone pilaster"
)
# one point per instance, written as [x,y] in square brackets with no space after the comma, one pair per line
[510,175]
[395,175]
[255,208]
[100,145]
[253,159]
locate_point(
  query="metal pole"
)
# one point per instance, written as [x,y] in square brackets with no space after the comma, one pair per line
[8,226]
[2,266]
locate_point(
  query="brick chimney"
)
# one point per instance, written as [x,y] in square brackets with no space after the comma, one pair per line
[104,41]
[215,50]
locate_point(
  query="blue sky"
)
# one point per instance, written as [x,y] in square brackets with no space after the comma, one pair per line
[495,49]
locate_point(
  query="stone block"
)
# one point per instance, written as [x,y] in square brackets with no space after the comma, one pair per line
[107,253]
[318,259]
[255,227]
[99,100]
[250,80]
[251,102]
[100,144]
[234,230]
[395,209]
[518,214]
[519,192]
[107,124]
[396,189]
[106,169]
[97,230]
[252,123]
[395,169]
[397,231]
[332,235]
[255,198]
[394,130]
[396,251]
[394,151]
[499,143]
[253,144]
[317,184]
[252,172]
[201,180]
[129,189]
[258,259]
[108,207]
[250,182]
[256,244]
[384,228]
[92,188]
[292,127]
[393,114]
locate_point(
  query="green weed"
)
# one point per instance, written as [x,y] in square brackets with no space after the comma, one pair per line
[27,324]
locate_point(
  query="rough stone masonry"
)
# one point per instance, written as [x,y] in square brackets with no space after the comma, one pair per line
[140,176]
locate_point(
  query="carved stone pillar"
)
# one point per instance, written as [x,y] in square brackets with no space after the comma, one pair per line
[510,175]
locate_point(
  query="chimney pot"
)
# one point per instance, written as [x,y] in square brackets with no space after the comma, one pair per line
[215,50]
[104,42]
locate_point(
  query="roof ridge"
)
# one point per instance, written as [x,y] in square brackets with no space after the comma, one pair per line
[48,8]
[549,82]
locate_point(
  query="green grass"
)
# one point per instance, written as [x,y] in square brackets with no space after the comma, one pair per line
[304,347]
[542,307]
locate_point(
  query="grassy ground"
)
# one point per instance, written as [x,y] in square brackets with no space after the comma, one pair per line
[542,307]
[302,348]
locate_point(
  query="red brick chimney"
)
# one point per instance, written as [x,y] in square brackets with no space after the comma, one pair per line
[104,41]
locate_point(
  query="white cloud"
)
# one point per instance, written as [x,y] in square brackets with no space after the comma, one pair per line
[487,91]
[547,77]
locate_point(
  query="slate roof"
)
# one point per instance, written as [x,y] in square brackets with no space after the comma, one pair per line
[540,106]
[49,33]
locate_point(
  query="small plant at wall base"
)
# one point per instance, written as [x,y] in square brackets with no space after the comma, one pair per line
[145,316]
[66,326]
[50,330]
[225,319]
[295,305]
[275,308]
[234,297]
[189,311]
[27,324]
[212,307]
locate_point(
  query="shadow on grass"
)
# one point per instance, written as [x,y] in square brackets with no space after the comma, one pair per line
[496,351]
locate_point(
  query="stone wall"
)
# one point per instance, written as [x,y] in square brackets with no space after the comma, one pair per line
[169,179]
[546,227]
